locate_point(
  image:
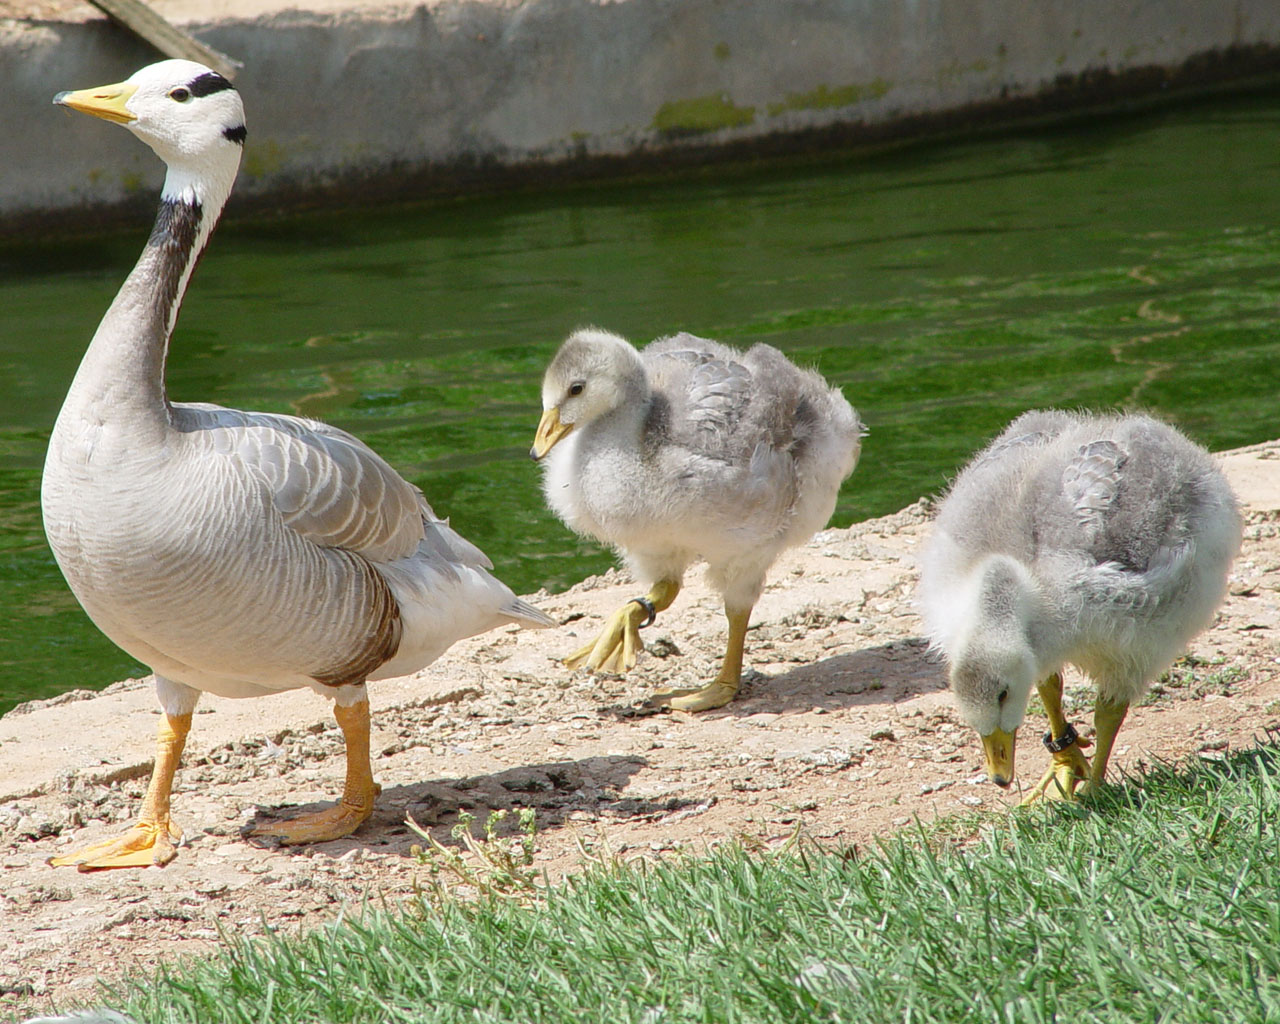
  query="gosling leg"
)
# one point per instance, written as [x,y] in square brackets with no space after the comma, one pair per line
[724,687]
[1069,769]
[1107,719]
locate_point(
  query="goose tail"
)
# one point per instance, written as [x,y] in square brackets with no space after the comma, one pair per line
[527,615]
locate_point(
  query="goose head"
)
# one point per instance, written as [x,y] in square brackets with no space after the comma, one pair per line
[594,373]
[191,116]
[994,666]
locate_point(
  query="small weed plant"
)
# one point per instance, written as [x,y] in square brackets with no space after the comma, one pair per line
[490,865]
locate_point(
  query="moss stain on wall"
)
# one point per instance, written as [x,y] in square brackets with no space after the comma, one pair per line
[264,158]
[824,97]
[701,114]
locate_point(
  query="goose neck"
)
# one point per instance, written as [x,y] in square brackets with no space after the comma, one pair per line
[122,373]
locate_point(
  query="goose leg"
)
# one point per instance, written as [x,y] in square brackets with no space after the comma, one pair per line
[357,795]
[1070,768]
[153,839]
[724,687]
[615,649]
[1107,718]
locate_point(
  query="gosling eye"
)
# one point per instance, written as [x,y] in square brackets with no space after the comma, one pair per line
[1002,696]
[180,94]
[577,387]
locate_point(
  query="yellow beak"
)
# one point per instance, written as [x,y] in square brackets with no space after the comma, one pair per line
[106,102]
[550,431]
[998,748]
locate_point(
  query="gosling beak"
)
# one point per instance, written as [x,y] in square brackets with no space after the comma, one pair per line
[106,102]
[998,747]
[550,431]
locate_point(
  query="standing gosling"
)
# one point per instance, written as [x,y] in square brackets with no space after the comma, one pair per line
[689,450]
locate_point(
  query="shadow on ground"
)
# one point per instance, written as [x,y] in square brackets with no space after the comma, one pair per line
[555,790]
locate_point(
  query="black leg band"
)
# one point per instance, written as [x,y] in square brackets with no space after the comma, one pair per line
[647,605]
[1065,740]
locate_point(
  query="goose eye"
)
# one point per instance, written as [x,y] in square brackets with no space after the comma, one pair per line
[180,94]
[1002,696]
[577,387]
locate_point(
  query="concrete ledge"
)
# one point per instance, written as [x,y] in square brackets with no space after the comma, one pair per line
[464,93]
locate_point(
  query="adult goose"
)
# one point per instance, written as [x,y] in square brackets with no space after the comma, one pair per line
[236,553]
[1100,541]
[689,450]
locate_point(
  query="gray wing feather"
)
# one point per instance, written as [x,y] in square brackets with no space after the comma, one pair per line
[718,394]
[327,485]
[1002,447]
[1091,482]
[709,391]
[1029,432]
[443,541]
[1130,579]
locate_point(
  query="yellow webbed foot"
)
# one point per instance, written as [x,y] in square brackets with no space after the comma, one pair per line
[713,695]
[332,823]
[147,843]
[154,838]
[358,794]
[1065,779]
[615,649]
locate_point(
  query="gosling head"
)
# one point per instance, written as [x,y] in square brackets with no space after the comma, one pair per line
[994,667]
[991,689]
[191,116]
[593,373]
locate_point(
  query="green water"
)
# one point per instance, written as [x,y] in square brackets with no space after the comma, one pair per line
[1135,264]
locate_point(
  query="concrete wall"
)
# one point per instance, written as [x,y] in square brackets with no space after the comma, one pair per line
[448,94]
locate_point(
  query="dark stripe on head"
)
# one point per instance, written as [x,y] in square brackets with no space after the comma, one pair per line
[209,82]
[235,134]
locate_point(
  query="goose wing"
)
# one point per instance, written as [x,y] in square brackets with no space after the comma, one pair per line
[730,439]
[1003,447]
[328,486]
[718,393]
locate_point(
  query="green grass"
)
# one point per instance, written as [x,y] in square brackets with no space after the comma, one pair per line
[1155,902]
